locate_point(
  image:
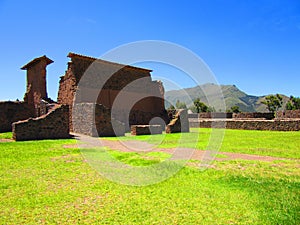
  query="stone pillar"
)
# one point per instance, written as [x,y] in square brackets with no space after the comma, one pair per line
[36,82]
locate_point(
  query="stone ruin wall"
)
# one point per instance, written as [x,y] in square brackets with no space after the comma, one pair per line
[284,121]
[243,115]
[53,125]
[56,123]
[119,76]
[288,114]
[13,111]
[67,89]
[95,120]
[36,84]
[146,129]
[32,106]
[36,90]
[273,125]
[142,112]
[210,115]
[178,121]
[253,115]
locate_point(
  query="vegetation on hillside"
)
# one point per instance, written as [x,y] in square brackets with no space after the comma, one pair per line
[180,105]
[235,109]
[232,97]
[200,106]
[273,102]
[293,103]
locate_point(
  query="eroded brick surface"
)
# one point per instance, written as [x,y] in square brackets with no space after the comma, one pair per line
[11,112]
[128,92]
[179,122]
[53,125]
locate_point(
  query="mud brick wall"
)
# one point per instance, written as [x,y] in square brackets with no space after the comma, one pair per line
[100,76]
[146,129]
[66,93]
[53,125]
[214,115]
[36,82]
[193,115]
[250,115]
[105,82]
[288,114]
[67,88]
[138,117]
[95,120]
[274,125]
[11,112]
[83,120]
[108,75]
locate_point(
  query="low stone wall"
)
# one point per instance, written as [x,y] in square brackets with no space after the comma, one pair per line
[53,125]
[210,115]
[11,112]
[139,117]
[146,129]
[253,115]
[288,114]
[275,125]
[179,123]
[95,120]
[193,115]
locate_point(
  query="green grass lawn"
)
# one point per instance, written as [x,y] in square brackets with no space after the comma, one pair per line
[269,143]
[43,182]
[7,135]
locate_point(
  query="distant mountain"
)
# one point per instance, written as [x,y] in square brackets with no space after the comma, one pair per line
[232,96]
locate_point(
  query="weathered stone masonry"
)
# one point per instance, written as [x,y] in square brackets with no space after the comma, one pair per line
[53,125]
[36,92]
[243,115]
[95,120]
[12,112]
[103,82]
[145,129]
[36,83]
[274,125]
[288,120]
[88,104]
[179,122]
[95,97]
[288,114]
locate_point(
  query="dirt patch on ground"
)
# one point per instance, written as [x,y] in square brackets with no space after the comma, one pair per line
[6,140]
[70,146]
[132,146]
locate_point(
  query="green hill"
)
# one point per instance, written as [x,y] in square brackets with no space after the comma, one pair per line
[232,96]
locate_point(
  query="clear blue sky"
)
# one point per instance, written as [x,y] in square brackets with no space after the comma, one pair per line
[252,44]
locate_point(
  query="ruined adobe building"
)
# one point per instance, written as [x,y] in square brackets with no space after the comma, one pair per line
[36,89]
[90,87]
[12,111]
[89,103]
[88,100]
[41,124]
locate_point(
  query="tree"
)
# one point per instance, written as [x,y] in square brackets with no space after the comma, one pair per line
[235,109]
[211,109]
[171,107]
[273,102]
[293,103]
[180,105]
[200,106]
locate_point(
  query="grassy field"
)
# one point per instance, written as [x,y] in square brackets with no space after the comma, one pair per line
[270,143]
[49,182]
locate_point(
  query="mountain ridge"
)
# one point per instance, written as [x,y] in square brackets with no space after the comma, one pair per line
[233,96]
